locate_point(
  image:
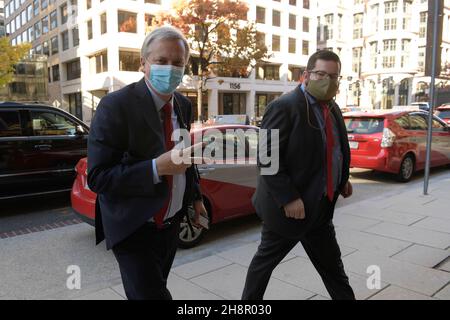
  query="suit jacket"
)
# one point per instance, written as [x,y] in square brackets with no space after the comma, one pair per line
[125,135]
[302,164]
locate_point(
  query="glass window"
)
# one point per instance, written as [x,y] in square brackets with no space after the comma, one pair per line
[38,49]
[437,126]
[129,60]
[75,36]
[268,72]
[443,114]
[65,40]
[37,29]
[73,70]
[292,45]
[418,123]
[64,14]
[103,24]
[276,43]
[24,17]
[36,7]
[364,125]
[55,72]
[30,34]
[403,122]
[260,15]
[53,20]
[45,48]
[276,18]
[54,42]
[29,12]
[44,4]
[45,25]
[292,21]
[89,29]
[51,124]
[99,62]
[305,47]
[127,22]
[10,124]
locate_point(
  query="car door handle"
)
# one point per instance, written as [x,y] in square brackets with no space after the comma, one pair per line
[43,147]
[206,170]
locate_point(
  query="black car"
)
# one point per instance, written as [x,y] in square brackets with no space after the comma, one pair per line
[39,148]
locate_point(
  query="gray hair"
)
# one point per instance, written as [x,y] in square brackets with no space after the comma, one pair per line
[164,33]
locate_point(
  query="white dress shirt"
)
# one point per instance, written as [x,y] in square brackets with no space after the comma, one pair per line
[179,180]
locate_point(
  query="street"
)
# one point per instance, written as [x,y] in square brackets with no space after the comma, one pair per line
[51,212]
[411,246]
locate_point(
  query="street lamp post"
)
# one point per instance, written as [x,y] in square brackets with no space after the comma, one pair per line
[432,97]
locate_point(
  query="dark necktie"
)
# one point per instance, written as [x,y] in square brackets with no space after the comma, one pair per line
[330,145]
[169,145]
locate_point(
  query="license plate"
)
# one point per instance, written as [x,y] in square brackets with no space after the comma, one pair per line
[354,145]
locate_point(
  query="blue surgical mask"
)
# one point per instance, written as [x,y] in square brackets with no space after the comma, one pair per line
[165,78]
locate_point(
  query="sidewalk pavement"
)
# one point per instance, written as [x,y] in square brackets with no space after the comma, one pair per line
[406,235]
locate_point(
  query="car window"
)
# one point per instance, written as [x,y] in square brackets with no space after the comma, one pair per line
[241,144]
[417,122]
[437,126]
[10,124]
[46,123]
[364,125]
[443,114]
[403,122]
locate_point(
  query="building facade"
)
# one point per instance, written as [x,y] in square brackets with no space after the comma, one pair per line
[383,48]
[93,48]
[2,19]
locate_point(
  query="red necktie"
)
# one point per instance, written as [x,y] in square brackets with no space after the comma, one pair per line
[168,130]
[330,145]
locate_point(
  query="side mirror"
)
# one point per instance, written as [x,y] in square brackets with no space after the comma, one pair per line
[80,131]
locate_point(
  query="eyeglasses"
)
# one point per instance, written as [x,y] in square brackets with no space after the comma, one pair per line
[323,75]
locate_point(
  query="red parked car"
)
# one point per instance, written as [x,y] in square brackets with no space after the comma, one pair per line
[227,188]
[395,141]
[443,112]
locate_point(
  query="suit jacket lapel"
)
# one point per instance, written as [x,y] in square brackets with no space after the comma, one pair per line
[149,109]
[179,111]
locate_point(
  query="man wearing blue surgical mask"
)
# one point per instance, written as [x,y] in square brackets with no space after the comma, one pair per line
[142,193]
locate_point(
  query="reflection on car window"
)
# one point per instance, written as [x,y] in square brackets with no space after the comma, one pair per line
[234,144]
[443,114]
[365,125]
[437,126]
[403,122]
[418,123]
[10,124]
[51,124]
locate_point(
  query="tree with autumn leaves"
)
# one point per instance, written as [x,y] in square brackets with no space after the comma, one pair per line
[9,57]
[222,41]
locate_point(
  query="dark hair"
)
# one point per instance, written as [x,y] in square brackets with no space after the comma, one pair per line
[326,55]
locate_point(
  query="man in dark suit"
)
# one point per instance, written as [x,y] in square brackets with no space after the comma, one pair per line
[297,203]
[142,192]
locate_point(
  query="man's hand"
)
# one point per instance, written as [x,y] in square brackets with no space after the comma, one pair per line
[165,165]
[347,191]
[295,210]
[199,209]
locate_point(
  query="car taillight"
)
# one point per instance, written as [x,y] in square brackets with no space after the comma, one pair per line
[388,138]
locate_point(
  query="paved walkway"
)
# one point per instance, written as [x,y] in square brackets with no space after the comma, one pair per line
[406,235]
